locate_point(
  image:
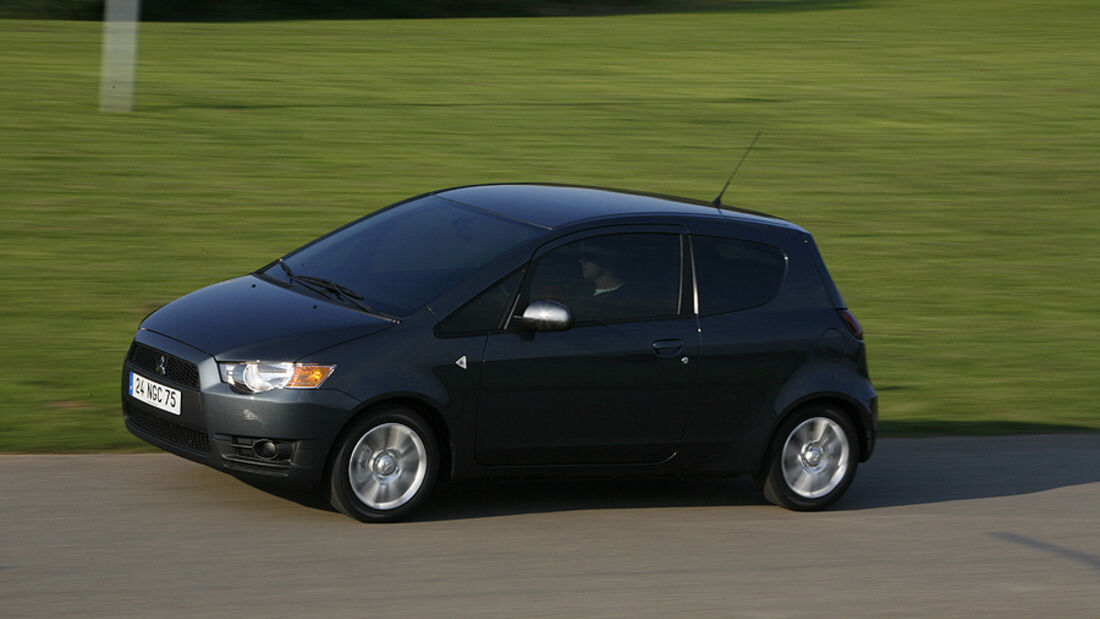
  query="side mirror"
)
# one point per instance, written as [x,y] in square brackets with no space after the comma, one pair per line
[545,315]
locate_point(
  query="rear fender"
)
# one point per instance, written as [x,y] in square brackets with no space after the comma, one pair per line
[821,380]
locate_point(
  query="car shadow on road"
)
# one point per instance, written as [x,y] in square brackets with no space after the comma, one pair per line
[934,470]
[456,500]
[902,472]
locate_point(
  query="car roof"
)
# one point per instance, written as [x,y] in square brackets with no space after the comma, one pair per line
[553,206]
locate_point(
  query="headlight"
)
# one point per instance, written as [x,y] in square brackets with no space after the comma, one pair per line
[259,376]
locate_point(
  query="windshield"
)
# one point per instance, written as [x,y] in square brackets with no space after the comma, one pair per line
[401,258]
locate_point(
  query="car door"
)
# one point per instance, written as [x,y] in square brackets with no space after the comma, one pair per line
[615,388]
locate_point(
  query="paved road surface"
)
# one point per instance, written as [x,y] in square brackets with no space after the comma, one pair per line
[931,527]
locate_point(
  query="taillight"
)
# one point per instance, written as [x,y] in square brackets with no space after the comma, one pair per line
[850,320]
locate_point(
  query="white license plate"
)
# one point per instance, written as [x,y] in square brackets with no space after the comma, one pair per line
[155,394]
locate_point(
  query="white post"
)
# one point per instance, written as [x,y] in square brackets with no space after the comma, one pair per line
[116,77]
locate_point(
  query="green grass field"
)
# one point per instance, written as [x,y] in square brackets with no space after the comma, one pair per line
[944,153]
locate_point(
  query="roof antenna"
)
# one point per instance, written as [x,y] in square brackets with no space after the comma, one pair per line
[718,201]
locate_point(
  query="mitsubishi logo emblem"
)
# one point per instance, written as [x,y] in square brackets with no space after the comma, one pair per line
[162,365]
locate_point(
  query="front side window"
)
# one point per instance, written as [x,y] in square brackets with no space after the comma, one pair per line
[402,258]
[734,275]
[485,312]
[612,278]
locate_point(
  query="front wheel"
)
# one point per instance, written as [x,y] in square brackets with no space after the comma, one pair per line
[812,460]
[385,466]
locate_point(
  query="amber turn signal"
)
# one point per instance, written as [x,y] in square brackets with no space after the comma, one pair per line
[309,376]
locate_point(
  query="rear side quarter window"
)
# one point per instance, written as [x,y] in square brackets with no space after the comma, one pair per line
[734,275]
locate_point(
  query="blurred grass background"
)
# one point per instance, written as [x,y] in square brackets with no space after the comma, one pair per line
[237,10]
[944,154]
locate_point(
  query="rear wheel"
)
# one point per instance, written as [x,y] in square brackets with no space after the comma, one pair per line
[812,460]
[385,466]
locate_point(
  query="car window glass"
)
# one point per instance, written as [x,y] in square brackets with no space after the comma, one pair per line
[734,275]
[485,312]
[612,278]
[401,258]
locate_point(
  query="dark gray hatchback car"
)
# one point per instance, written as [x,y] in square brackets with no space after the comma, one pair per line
[517,330]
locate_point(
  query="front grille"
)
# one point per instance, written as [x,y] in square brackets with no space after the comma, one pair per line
[168,431]
[163,364]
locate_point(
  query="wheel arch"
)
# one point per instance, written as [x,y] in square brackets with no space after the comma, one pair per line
[425,409]
[864,420]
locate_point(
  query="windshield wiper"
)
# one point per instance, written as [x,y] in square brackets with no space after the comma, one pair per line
[323,286]
[286,267]
[340,290]
[303,280]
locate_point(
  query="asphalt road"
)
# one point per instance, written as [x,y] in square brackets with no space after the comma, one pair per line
[931,527]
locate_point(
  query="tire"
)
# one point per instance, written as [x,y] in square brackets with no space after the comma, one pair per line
[385,466]
[812,460]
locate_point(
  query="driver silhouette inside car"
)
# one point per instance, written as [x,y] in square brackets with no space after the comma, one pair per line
[609,299]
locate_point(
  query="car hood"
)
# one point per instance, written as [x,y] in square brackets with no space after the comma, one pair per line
[249,318]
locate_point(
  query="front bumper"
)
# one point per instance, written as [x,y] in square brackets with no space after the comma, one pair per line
[218,426]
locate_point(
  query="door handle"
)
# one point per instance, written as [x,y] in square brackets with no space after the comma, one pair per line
[668,348]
